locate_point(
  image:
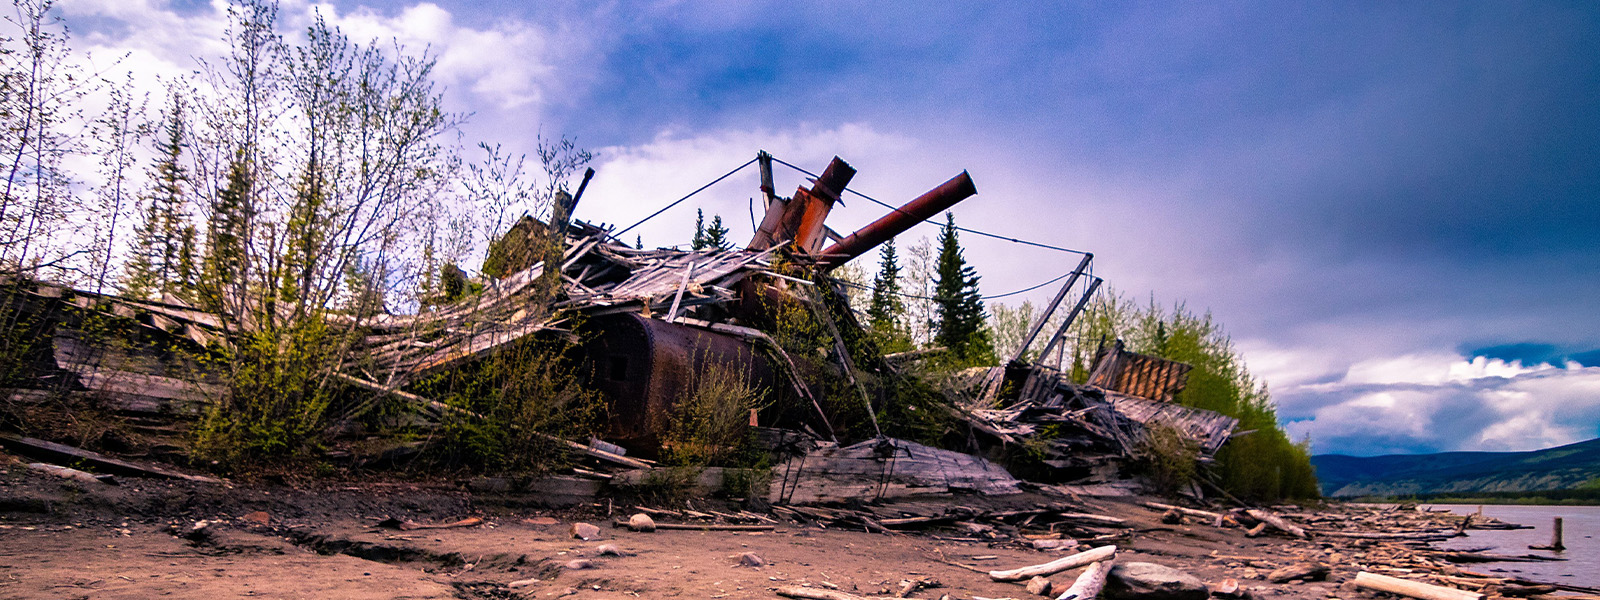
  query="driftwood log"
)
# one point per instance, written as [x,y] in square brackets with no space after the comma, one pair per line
[1414,589]
[1056,566]
[1277,522]
[1089,582]
[1189,512]
[816,594]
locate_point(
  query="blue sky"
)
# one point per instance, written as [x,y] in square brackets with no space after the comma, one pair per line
[1392,206]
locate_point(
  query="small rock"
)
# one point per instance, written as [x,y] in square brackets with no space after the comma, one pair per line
[541,521]
[521,583]
[1150,581]
[585,531]
[259,517]
[1227,588]
[749,559]
[641,522]
[199,533]
[609,550]
[1039,586]
[1172,517]
[580,564]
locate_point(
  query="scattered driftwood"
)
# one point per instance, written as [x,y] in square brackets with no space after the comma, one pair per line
[702,527]
[816,594]
[1277,522]
[409,525]
[1056,566]
[1414,589]
[1089,582]
[1188,512]
[1476,557]
[1421,535]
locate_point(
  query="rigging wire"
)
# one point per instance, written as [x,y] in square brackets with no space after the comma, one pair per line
[994,297]
[690,195]
[958,227]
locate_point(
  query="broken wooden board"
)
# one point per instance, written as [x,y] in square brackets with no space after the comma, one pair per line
[101,462]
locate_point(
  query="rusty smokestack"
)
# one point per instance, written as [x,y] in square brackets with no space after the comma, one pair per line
[897,221]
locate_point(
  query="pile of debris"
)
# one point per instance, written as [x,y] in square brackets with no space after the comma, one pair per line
[656,317]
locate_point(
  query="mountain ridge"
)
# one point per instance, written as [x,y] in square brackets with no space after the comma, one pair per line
[1562,467]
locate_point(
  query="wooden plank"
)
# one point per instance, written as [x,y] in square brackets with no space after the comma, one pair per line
[64,453]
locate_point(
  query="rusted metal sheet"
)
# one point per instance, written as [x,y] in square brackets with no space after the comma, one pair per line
[949,193]
[645,366]
[1137,374]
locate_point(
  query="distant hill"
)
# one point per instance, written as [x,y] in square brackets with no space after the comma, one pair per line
[1559,468]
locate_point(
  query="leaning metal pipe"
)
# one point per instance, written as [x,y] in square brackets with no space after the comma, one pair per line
[897,221]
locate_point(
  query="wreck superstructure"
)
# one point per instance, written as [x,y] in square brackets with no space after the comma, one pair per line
[658,317]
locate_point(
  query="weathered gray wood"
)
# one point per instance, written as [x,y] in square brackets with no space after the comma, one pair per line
[1277,522]
[1089,582]
[1103,553]
[1414,589]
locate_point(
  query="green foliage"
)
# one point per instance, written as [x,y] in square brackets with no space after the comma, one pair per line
[961,326]
[528,395]
[276,398]
[1263,465]
[710,418]
[1167,458]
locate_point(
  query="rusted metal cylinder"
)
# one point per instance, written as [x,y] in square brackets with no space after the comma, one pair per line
[897,221]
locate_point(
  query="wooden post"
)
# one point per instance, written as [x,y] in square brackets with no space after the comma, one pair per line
[1555,536]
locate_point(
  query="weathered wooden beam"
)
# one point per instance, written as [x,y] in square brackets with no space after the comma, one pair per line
[62,452]
[1414,589]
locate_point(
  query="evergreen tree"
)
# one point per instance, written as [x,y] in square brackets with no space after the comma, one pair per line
[226,237]
[698,242]
[638,242]
[886,311]
[154,269]
[959,306]
[716,236]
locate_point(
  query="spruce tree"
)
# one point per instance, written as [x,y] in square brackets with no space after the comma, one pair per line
[885,310]
[959,306]
[716,236]
[698,242]
[154,269]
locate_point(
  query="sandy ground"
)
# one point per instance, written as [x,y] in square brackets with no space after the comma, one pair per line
[70,539]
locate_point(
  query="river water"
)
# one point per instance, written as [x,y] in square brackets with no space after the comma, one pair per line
[1580,534]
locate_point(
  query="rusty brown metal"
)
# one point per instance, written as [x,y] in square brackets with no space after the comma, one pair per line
[644,366]
[800,219]
[949,193]
[1137,374]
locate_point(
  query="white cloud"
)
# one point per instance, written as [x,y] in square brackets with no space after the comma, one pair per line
[511,65]
[634,181]
[1437,402]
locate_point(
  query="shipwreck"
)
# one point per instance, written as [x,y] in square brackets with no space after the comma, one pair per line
[654,319]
